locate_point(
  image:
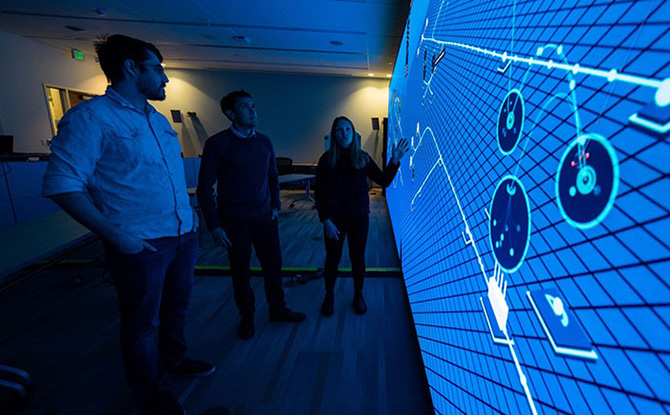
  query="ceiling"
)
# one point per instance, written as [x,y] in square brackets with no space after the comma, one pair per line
[337,37]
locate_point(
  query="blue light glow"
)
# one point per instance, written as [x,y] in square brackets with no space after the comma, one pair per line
[569,312]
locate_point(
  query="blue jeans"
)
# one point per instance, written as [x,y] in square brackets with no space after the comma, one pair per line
[154,290]
[263,233]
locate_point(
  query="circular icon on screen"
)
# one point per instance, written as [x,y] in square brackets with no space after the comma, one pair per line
[510,121]
[587,181]
[509,224]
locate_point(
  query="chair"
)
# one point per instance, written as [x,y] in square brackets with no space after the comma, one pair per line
[19,383]
[284,165]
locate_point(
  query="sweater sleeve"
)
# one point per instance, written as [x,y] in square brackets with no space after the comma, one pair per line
[322,191]
[209,168]
[384,178]
[273,180]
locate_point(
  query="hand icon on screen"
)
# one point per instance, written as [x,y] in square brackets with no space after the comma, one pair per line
[556,304]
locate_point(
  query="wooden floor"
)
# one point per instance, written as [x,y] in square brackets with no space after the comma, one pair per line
[301,236]
[61,325]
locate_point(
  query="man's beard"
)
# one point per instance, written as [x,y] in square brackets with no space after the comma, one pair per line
[157,94]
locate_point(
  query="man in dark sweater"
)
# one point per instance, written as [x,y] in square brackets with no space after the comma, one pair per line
[242,163]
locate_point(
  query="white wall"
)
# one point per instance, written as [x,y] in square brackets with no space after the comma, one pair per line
[26,66]
[296,111]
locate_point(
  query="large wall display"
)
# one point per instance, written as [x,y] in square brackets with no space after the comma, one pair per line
[532,213]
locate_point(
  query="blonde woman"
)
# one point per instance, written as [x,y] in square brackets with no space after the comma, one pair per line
[342,183]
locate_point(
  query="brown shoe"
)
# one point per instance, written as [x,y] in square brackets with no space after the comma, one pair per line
[284,314]
[360,307]
[246,330]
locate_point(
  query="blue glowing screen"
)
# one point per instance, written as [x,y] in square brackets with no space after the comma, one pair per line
[532,212]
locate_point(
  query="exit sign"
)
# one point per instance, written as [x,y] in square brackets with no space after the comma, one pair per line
[77,54]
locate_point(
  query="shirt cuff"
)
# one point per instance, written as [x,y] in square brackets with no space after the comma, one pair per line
[55,185]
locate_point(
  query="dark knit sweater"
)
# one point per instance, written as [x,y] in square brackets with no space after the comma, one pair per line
[343,191]
[245,171]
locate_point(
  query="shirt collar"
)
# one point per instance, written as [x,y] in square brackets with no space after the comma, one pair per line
[240,135]
[115,96]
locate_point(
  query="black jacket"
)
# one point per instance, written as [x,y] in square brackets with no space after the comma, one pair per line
[343,191]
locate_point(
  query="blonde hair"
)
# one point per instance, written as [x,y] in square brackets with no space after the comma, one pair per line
[357,155]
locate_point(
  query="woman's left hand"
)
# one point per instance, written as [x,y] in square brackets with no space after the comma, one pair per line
[399,150]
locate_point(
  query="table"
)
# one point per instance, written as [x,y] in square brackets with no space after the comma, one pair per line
[290,178]
[285,178]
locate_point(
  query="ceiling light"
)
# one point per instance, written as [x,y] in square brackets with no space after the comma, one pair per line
[388,75]
[371,74]
[242,39]
[75,28]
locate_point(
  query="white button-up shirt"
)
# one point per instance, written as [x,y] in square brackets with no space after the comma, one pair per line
[128,161]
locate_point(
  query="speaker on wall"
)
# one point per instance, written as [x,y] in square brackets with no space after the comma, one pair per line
[6,144]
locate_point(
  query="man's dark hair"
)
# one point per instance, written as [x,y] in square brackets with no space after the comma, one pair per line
[114,50]
[228,102]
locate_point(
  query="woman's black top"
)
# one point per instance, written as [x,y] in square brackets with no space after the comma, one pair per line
[343,191]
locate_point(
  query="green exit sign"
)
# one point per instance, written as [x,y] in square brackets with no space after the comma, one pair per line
[77,54]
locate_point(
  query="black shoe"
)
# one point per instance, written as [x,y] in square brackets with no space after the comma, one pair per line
[163,403]
[192,368]
[360,307]
[246,330]
[285,314]
[327,306]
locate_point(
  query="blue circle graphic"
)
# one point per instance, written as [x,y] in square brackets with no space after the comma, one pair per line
[509,224]
[510,121]
[587,181]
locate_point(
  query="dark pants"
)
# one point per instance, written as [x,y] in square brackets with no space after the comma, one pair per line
[356,231]
[154,290]
[263,233]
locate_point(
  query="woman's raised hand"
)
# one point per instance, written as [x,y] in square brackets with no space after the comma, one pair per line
[399,150]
